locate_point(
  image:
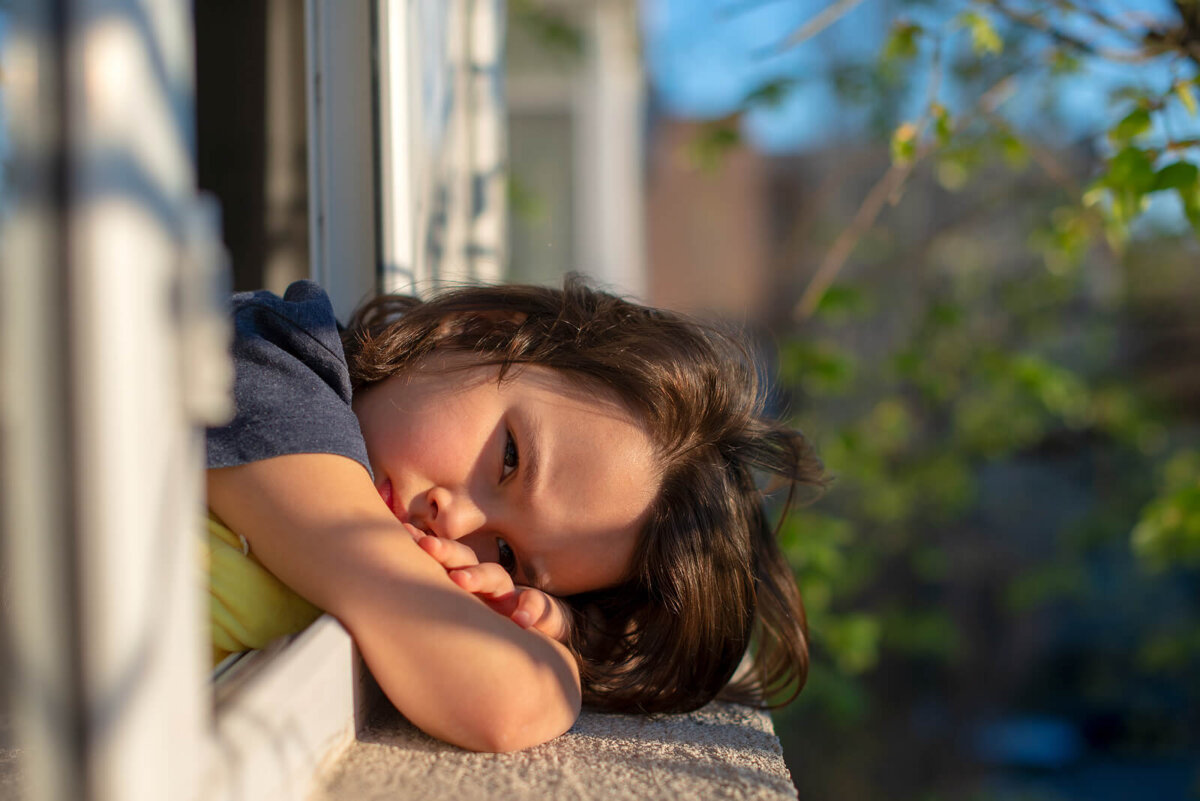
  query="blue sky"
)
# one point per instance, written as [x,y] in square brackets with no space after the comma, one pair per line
[704,56]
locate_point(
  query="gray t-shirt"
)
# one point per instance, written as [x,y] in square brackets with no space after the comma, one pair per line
[292,390]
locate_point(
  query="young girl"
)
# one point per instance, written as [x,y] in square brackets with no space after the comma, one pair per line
[564,460]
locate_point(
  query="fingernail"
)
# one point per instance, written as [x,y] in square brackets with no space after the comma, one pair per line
[522,618]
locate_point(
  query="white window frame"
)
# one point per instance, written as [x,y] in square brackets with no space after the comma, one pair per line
[378,156]
[108,259]
[441,143]
[341,149]
[101,422]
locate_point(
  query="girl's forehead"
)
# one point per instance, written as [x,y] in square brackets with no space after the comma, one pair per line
[465,370]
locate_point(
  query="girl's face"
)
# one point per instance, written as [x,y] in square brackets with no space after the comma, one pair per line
[549,478]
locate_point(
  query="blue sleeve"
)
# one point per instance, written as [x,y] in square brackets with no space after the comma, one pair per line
[292,390]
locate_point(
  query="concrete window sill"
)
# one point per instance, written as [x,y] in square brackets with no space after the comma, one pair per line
[723,751]
[311,723]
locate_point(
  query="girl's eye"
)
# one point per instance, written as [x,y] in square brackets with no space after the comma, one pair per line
[511,458]
[505,556]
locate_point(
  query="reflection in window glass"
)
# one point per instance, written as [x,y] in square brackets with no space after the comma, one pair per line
[4,166]
[9,778]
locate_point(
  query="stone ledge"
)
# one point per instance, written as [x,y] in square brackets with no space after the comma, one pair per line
[723,751]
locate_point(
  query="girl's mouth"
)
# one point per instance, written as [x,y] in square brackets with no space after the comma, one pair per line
[389,497]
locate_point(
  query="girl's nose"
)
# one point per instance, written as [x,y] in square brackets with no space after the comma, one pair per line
[451,515]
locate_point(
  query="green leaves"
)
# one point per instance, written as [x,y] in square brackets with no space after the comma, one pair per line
[984,39]
[853,640]
[1131,126]
[716,139]
[770,94]
[1168,532]
[524,201]
[1132,174]
[942,128]
[1064,240]
[906,136]
[904,143]
[1184,178]
[553,31]
[841,302]
[1179,175]
[819,367]
[902,42]
[1014,151]
[967,360]
[1184,90]
[923,633]
[1130,170]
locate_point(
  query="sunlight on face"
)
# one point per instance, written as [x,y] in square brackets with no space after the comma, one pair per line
[544,474]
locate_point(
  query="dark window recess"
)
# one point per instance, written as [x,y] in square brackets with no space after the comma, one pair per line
[250,134]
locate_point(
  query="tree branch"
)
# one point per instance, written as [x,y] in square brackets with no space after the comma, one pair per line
[819,23]
[1101,20]
[1046,161]
[887,189]
[890,184]
[1150,48]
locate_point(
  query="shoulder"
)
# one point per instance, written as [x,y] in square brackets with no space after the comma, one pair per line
[292,389]
[304,305]
[301,322]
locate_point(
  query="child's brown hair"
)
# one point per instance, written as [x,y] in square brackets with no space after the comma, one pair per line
[707,578]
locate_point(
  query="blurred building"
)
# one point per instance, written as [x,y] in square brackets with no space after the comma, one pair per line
[576,98]
[709,238]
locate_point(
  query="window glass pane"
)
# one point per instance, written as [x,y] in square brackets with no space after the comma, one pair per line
[4,159]
[541,197]
[7,746]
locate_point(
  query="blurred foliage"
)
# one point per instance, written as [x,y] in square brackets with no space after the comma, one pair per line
[552,28]
[524,202]
[1014,521]
[1023,48]
[1006,472]
[1169,531]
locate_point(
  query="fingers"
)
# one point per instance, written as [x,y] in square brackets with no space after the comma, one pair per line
[451,554]
[487,580]
[537,610]
[414,532]
[491,583]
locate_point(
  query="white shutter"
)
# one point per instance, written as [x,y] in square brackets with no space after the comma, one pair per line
[112,358]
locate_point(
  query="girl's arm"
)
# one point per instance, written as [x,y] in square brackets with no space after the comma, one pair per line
[449,663]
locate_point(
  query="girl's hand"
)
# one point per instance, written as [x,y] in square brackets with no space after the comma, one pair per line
[528,607]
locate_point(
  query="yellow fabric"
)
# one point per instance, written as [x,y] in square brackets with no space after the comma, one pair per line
[248,606]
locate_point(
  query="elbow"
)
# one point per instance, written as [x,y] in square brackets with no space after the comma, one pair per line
[504,739]
[517,733]
[498,720]
[515,729]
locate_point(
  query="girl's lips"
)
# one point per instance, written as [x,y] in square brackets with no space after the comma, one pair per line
[389,497]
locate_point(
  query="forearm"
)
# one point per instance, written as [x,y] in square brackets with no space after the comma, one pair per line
[454,667]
